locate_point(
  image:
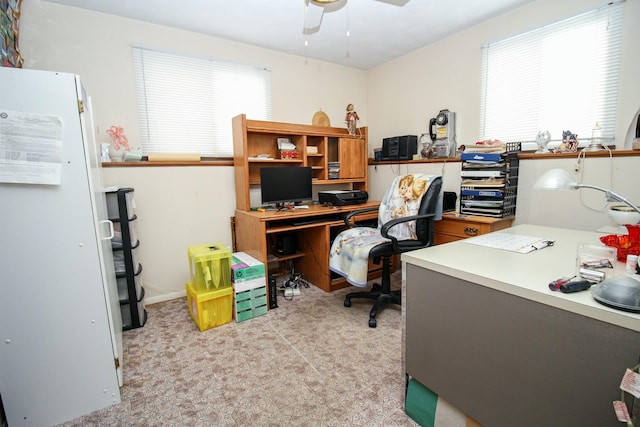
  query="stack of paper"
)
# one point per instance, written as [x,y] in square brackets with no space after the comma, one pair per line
[334,170]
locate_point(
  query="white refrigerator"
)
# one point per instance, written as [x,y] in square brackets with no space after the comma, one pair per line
[60,324]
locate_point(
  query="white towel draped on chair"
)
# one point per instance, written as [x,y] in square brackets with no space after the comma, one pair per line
[349,254]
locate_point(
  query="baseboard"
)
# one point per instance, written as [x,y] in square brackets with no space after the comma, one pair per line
[165,297]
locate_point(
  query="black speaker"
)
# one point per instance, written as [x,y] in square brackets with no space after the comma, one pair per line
[399,147]
[449,201]
[273,292]
[286,244]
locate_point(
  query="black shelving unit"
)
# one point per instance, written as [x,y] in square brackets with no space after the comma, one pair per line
[128,269]
[489,182]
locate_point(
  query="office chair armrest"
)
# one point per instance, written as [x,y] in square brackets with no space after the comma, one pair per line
[347,219]
[384,231]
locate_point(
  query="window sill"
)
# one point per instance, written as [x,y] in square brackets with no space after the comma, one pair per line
[393,162]
[146,163]
[525,155]
[602,153]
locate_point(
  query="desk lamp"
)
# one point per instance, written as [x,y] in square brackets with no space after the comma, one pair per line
[622,293]
[559,179]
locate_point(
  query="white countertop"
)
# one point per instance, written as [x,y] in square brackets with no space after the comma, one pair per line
[526,275]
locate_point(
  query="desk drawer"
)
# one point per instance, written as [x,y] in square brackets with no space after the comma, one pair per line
[462,229]
[452,228]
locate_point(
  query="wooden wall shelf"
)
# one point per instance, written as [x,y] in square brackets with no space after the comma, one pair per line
[253,138]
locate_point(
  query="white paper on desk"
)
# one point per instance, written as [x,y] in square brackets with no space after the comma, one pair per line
[509,242]
[286,145]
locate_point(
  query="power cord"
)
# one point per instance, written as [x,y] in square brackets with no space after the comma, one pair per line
[292,285]
[582,155]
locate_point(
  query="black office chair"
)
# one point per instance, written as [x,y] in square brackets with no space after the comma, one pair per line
[405,223]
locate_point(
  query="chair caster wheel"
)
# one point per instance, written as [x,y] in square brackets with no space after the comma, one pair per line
[372,323]
[347,303]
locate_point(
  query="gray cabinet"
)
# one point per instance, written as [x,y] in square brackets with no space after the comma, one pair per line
[61,348]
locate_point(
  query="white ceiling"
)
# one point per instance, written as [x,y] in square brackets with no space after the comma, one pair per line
[379,31]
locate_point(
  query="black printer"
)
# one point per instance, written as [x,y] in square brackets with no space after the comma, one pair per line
[342,197]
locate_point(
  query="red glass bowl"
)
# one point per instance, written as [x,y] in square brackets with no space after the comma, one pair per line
[626,244]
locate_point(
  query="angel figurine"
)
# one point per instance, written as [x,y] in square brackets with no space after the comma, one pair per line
[351,119]
[542,139]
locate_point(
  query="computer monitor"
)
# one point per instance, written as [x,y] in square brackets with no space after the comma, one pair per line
[285,185]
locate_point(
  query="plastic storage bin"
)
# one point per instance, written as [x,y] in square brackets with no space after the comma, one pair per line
[209,309]
[210,266]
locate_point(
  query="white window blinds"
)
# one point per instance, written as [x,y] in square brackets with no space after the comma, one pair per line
[559,77]
[185,103]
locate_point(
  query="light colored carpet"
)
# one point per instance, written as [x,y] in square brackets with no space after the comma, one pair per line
[309,362]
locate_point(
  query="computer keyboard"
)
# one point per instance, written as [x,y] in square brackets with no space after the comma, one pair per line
[308,221]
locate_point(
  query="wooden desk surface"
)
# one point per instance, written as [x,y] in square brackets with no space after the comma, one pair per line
[458,217]
[311,211]
[254,232]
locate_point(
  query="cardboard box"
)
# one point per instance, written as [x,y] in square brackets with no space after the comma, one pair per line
[251,313]
[244,268]
[249,304]
[247,285]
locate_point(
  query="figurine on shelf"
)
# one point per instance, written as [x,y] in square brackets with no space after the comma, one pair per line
[542,139]
[572,140]
[569,142]
[351,119]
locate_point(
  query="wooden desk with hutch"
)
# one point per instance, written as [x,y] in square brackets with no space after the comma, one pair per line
[257,232]
[317,147]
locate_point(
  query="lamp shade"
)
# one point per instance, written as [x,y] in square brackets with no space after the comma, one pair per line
[556,179]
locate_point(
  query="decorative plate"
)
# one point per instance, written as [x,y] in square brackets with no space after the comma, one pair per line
[320,119]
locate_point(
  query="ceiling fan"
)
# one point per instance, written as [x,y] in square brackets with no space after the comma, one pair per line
[315,9]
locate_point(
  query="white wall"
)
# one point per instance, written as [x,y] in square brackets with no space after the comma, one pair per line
[177,206]
[97,46]
[405,93]
[583,210]
[182,206]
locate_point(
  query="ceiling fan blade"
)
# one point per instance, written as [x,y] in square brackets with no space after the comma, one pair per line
[312,17]
[330,5]
[395,2]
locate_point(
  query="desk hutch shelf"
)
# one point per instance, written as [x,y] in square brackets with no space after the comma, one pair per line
[255,146]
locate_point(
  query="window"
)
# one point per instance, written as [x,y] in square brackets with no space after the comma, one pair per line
[185,103]
[559,77]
